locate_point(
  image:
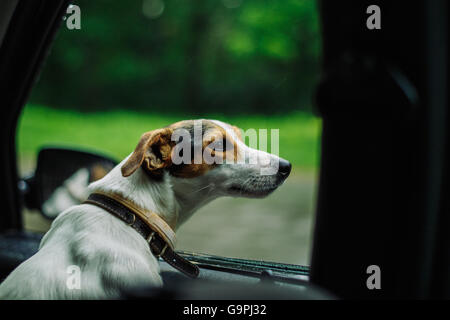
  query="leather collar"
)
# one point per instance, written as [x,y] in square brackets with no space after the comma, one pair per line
[158,234]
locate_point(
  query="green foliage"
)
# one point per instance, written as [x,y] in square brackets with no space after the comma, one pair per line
[201,56]
[116,133]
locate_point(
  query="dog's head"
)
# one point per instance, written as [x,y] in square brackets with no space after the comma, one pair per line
[207,157]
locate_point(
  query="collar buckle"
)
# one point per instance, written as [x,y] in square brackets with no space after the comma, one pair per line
[150,239]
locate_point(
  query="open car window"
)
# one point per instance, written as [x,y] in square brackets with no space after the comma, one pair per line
[249,63]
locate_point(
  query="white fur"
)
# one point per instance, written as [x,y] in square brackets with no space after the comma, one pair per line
[111,255]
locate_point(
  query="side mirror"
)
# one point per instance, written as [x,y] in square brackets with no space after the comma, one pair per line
[61,179]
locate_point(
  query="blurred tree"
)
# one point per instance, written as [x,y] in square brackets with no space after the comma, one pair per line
[199,56]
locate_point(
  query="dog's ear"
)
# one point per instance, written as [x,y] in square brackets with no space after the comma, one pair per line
[153,151]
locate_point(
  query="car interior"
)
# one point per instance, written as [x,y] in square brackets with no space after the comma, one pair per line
[384,169]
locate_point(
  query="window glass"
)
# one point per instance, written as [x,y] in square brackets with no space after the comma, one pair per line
[117,70]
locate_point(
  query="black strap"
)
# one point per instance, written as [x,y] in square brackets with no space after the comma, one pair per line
[157,244]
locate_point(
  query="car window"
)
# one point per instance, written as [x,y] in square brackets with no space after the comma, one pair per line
[117,70]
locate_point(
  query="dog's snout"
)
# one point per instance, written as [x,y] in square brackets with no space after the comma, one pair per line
[284,168]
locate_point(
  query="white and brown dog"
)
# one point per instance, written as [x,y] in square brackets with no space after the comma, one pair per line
[164,175]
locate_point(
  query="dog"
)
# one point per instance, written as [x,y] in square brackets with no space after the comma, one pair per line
[164,175]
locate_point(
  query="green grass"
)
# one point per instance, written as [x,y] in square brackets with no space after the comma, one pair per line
[116,133]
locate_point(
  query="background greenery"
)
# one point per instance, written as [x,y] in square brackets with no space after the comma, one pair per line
[117,132]
[139,65]
[196,56]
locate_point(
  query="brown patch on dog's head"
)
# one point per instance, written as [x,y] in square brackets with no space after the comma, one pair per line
[155,148]
[210,132]
[153,152]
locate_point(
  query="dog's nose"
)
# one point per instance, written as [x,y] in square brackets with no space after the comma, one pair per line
[284,168]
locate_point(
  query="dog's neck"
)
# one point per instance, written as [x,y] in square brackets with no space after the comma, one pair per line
[154,195]
[174,199]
